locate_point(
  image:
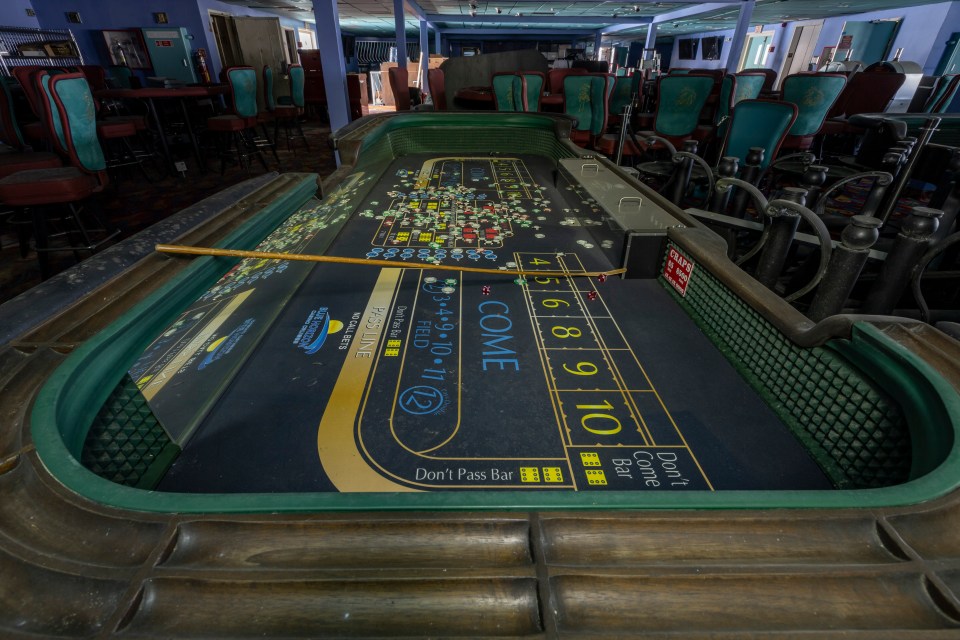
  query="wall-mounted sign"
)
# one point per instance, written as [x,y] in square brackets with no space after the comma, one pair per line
[846,42]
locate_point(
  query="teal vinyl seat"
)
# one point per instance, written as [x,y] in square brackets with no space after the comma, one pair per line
[680,100]
[754,123]
[237,128]
[21,158]
[586,98]
[814,95]
[69,119]
[288,115]
[749,85]
[509,91]
[517,91]
[946,90]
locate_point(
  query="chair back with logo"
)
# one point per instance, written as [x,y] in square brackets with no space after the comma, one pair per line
[749,84]
[758,123]
[508,91]
[680,100]
[586,98]
[814,95]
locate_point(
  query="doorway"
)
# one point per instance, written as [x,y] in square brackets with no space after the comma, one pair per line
[802,48]
[228,44]
[755,50]
[307,39]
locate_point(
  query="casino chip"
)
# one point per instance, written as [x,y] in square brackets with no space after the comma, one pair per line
[429,279]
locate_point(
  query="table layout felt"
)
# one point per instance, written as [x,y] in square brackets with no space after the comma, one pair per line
[287,376]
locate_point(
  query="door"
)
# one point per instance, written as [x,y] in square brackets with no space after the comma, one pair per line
[226,37]
[170,52]
[869,41]
[262,43]
[802,49]
[755,50]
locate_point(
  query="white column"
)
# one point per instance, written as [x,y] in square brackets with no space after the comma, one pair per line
[740,35]
[334,66]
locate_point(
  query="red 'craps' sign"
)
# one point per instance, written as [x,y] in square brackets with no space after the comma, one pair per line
[677,270]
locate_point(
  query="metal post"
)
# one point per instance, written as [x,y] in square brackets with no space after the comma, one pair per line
[726,168]
[913,239]
[929,127]
[783,226]
[751,171]
[424,56]
[334,66]
[681,177]
[400,27]
[812,180]
[845,266]
[624,124]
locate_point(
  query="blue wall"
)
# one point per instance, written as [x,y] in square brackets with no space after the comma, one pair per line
[97,15]
[203,7]
[121,14]
[13,14]
[923,35]
[727,35]
[918,34]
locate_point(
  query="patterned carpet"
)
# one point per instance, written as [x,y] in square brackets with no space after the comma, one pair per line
[131,203]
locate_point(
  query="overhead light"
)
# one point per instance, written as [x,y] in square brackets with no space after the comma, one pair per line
[518,14]
[499,11]
[473,13]
[636,8]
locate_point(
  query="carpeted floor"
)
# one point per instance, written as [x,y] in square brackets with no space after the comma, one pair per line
[131,203]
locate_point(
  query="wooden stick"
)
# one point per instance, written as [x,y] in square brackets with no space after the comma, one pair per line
[180,249]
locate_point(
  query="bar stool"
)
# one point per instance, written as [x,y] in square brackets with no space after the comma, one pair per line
[289,109]
[67,124]
[238,127]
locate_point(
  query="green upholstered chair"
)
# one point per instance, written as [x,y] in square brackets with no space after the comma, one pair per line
[749,84]
[553,101]
[508,91]
[70,120]
[758,123]
[814,95]
[585,97]
[237,127]
[624,91]
[947,88]
[679,71]
[22,158]
[680,99]
[535,82]
[288,114]
[754,123]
